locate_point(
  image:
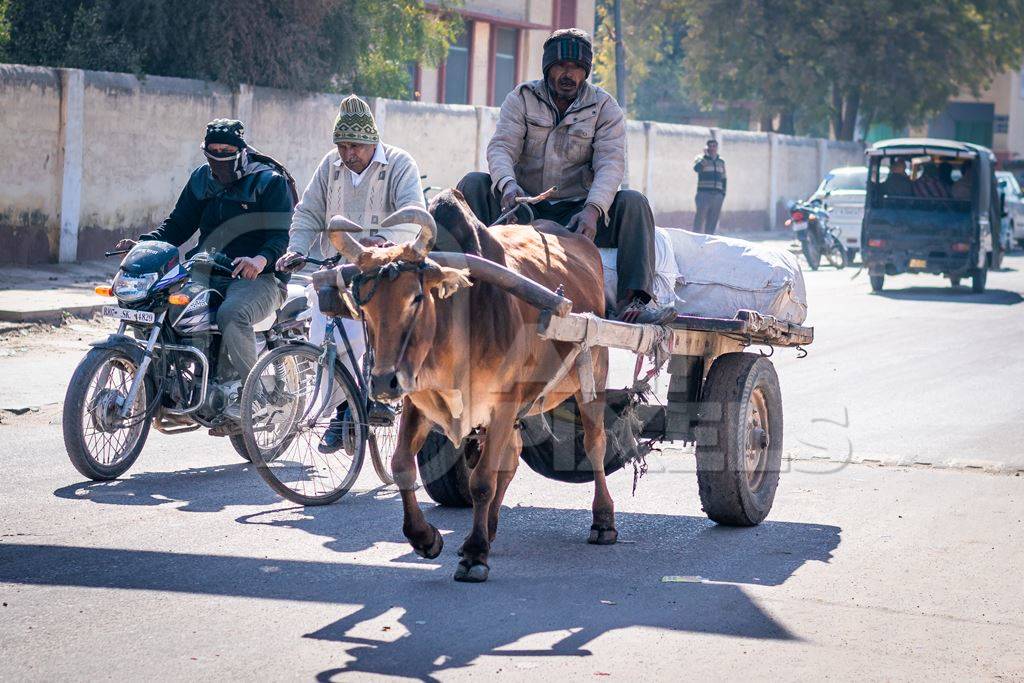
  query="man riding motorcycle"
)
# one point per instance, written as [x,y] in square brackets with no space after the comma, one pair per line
[242,208]
[363,180]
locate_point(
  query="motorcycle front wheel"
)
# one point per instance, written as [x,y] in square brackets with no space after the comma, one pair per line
[835,253]
[102,444]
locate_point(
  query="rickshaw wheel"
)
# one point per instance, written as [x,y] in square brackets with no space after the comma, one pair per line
[739,439]
[978,280]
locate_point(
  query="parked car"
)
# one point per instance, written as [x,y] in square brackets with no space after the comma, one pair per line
[936,212]
[842,191]
[1013,208]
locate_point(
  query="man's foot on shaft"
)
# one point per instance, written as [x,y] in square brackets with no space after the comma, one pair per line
[648,313]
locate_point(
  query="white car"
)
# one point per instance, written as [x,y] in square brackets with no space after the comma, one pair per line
[1013,206]
[843,191]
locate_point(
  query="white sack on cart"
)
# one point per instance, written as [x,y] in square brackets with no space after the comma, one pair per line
[719,276]
[714,277]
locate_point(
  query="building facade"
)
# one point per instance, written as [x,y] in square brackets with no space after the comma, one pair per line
[995,118]
[500,47]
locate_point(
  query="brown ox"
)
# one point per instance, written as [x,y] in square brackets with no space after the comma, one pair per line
[468,359]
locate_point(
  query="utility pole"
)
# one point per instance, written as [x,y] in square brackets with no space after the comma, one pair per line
[620,58]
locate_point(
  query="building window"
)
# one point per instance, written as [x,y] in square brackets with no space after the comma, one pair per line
[455,73]
[505,44]
[413,82]
[565,13]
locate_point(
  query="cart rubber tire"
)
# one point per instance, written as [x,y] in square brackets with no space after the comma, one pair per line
[877,282]
[954,282]
[444,472]
[740,388]
[563,420]
[978,280]
[238,443]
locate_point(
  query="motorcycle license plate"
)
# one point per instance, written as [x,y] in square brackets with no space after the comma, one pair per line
[918,263]
[129,315]
[798,226]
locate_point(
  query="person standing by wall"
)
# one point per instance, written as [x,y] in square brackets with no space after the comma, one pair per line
[710,170]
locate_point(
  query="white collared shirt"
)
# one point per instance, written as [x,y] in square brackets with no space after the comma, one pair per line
[379,156]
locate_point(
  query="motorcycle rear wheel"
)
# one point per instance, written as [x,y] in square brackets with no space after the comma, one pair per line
[811,251]
[100,444]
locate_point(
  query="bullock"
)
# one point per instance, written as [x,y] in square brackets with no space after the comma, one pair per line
[460,355]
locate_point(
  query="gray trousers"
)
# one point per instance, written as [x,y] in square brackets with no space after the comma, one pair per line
[709,207]
[246,302]
[629,227]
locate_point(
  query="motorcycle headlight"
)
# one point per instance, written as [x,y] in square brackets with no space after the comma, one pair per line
[133,288]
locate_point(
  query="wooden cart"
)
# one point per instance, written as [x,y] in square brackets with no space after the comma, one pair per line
[721,396]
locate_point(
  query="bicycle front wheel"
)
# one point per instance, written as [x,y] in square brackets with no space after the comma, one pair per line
[286,410]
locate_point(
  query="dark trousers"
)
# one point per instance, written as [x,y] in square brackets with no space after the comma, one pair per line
[629,228]
[709,207]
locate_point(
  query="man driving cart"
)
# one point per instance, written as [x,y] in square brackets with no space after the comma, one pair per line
[565,132]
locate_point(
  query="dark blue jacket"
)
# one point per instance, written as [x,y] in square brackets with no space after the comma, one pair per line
[250,217]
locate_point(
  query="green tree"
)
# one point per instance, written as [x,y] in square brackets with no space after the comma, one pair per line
[886,61]
[298,44]
[653,33]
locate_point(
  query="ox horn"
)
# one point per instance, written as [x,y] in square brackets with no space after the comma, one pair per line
[338,231]
[418,216]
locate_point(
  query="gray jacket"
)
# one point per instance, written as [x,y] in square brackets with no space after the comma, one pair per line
[584,153]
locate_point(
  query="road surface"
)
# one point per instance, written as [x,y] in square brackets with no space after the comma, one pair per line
[894,550]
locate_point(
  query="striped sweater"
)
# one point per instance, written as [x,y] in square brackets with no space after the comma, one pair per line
[710,174]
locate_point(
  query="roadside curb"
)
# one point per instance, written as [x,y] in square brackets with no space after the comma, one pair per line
[49,315]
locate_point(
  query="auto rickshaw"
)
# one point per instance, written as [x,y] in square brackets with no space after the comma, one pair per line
[931,207]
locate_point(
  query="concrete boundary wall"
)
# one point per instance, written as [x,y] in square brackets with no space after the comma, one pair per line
[89,157]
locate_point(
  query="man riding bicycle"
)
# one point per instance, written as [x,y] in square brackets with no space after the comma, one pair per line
[363,180]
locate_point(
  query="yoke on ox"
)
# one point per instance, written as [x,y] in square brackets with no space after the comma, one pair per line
[468,359]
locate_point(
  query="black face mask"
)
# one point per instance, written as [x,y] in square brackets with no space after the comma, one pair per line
[226,168]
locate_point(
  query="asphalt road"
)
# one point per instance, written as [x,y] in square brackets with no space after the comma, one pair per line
[870,566]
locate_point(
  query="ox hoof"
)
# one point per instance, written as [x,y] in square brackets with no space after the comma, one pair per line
[472,573]
[602,535]
[434,549]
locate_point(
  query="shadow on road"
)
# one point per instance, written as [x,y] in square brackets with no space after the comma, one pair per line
[550,594]
[203,489]
[962,294]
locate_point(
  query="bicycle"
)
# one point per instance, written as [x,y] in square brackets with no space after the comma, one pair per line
[289,401]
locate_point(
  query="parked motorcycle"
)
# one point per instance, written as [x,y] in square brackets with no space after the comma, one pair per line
[160,368]
[809,221]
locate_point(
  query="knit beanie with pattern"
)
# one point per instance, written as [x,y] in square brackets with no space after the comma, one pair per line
[355,123]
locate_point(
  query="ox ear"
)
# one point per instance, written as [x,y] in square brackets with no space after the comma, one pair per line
[446,280]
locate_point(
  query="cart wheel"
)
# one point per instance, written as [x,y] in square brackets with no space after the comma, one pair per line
[978,280]
[877,282]
[444,472]
[954,282]
[739,439]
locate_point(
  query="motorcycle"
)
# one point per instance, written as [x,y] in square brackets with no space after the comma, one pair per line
[160,368]
[810,223]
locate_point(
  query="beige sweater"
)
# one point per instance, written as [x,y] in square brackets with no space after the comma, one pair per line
[309,221]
